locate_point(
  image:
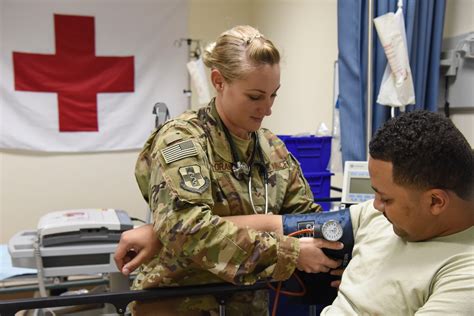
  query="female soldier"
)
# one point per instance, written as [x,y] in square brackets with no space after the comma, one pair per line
[213,178]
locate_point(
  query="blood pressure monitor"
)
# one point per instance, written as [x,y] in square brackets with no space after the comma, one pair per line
[356,186]
[332,226]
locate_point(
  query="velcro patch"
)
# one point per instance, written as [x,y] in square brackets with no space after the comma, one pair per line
[172,138]
[179,151]
[192,180]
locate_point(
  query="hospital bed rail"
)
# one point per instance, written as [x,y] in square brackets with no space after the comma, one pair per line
[121,299]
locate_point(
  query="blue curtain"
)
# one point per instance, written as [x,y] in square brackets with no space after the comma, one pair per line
[424,20]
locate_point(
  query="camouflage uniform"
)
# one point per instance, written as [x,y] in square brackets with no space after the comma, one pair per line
[185,174]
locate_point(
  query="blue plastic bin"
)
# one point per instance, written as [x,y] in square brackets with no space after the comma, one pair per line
[320,183]
[312,152]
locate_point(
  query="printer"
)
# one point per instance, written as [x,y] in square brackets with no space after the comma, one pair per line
[71,242]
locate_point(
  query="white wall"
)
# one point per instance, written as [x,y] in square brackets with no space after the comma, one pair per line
[459,20]
[33,184]
[306,34]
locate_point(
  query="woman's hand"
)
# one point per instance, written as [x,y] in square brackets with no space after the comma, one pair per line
[312,259]
[136,246]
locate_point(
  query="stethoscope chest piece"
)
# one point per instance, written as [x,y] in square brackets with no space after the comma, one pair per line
[240,170]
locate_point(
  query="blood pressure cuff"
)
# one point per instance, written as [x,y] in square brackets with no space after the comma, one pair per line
[318,285]
[324,225]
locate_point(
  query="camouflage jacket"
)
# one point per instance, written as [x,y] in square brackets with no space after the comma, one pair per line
[185,174]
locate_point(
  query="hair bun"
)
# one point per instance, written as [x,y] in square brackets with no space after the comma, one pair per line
[207,55]
[210,47]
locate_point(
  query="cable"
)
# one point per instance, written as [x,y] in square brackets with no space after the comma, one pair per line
[138,220]
[39,267]
[336,189]
[446,97]
[302,231]
[40,273]
[290,293]
[278,290]
[275,302]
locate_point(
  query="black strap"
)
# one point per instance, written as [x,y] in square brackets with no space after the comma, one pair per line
[238,163]
[446,97]
[261,164]
[233,150]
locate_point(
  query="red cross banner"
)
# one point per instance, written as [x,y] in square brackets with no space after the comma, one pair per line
[83,76]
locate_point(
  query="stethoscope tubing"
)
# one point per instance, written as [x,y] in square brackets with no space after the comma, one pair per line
[265,181]
[237,166]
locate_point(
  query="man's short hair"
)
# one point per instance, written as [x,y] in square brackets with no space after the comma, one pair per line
[427,151]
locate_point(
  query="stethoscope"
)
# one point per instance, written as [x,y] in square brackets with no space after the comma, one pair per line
[240,169]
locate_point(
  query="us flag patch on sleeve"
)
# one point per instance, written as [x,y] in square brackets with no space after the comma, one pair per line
[179,151]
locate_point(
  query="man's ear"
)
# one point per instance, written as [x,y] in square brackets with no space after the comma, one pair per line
[438,199]
[217,80]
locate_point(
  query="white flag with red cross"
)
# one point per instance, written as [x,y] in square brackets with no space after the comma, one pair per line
[80,76]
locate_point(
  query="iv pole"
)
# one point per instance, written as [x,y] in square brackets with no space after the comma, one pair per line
[192,54]
[370,16]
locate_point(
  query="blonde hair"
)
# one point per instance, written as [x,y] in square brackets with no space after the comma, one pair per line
[239,50]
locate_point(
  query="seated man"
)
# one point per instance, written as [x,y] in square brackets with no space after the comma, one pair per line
[413,251]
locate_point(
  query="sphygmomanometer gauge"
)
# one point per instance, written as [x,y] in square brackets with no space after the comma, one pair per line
[331,230]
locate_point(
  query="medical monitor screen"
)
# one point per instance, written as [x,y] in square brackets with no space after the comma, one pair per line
[360,185]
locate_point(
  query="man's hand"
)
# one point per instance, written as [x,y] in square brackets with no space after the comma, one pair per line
[337,272]
[312,259]
[136,246]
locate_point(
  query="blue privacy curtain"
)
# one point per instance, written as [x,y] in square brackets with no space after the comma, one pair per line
[424,21]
